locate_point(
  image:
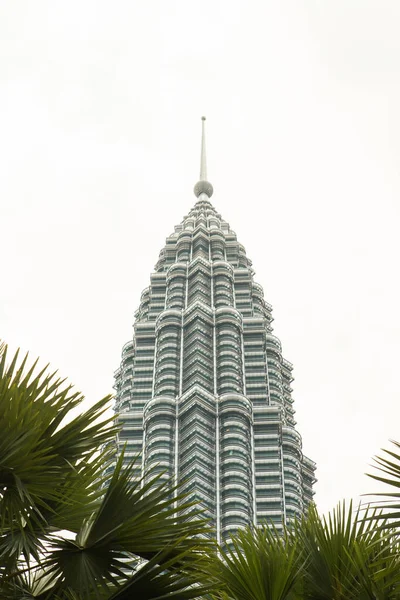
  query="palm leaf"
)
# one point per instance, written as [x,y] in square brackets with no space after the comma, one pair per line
[130,537]
[330,574]
[348,557]
[159,579]
[259,565]
[49,469]
[137,519]
[377,561]
[391,469]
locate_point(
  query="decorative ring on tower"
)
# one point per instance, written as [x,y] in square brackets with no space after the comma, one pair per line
[203,187]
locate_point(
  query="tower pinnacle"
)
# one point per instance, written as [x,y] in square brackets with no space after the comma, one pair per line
[203,186]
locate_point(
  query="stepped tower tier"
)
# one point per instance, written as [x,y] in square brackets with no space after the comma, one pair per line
[203,392]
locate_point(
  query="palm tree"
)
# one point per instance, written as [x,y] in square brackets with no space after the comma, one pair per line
[340,557]
[259,564]
[66,531]
[347,557]
[389,466]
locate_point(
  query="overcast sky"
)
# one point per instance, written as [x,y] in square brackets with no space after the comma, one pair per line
[100,106]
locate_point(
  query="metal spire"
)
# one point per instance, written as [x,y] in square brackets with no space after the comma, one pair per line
[203,161]
[203,186]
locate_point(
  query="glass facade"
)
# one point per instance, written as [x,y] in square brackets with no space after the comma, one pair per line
[203,391]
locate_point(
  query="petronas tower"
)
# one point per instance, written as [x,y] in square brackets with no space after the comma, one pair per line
[203,391]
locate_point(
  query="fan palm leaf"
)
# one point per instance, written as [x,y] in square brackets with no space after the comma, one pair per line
[36,448]
[137,519]
[127,537]
[259,564]
[347,557]
[389,469]
[49,469]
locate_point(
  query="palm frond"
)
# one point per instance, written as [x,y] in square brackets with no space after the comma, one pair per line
[49,469]
[390,508]
[346,555]
[328,542]
[259,564]
[137,519]
[377,563]
[140,514]
[160,579]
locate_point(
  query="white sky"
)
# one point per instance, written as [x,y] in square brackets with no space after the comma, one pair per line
[100,106]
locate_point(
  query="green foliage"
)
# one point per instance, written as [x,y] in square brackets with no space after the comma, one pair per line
[69,533]
[390,467]
[344,557]
[48,474]
[65,532]
[341,557]
[260,564]
[135,520]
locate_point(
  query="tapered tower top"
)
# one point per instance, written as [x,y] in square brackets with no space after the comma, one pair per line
[203,186]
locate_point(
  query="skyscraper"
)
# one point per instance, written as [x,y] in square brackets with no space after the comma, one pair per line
[203,391]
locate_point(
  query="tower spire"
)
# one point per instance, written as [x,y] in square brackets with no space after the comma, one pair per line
[203,186]
[203,161]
